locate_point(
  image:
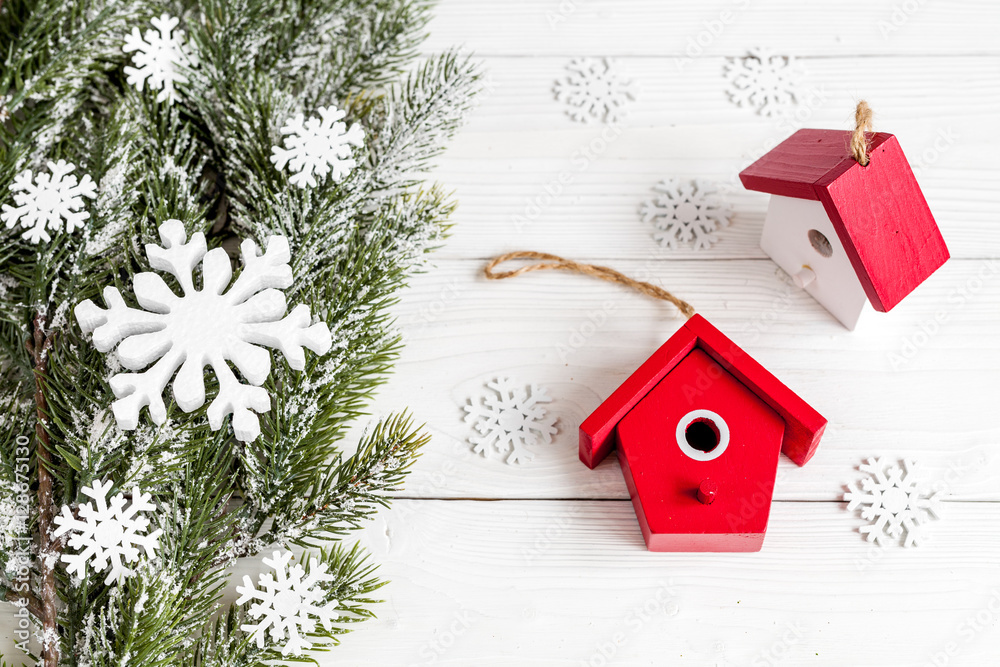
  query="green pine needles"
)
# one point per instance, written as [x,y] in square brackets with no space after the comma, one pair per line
[202,155]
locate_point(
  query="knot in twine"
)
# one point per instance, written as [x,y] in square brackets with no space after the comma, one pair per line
[859,140]
[556,263]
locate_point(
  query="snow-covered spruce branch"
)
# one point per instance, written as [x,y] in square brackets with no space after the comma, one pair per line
[156,617]
[57,57]
[346,47]
[347,492]
[206,159]
[419,116]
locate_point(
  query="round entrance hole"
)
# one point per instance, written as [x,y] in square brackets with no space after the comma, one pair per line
[820,243]
[702,434]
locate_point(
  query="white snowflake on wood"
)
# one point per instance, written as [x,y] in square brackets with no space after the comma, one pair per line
[686,212]
[289,602]
[593,90]
[893,502]
[318,147]
[765,81]
[160,58]
[53,202]
[211,326]
[510,418]
[108,532]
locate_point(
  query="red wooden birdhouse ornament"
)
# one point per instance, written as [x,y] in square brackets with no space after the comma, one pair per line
[850,234]
[698,429]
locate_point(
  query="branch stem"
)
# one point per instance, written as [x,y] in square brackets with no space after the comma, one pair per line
[39,347]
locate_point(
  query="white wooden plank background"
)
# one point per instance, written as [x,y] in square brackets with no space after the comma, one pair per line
[522,28]
[570,582]
[543,563]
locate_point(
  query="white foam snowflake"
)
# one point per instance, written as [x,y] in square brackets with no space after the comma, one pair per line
[765,81]
[686,212]
[593,90]
[289,603]
[48,201]
[318,147]
[107,532]
[160,58]
[893,502]
[210,326]
[510,418]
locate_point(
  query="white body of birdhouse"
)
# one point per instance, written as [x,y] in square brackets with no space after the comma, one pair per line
[800,238]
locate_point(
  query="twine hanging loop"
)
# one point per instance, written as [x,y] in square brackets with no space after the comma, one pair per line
[859,139]
[556,263]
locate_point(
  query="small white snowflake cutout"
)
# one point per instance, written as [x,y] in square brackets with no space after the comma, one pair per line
[53,202]
[593,90]
[160,58]
[893,502]
[208,327]
[318,147]
[107,532]
[510,418]
[289,602]
[765,81]
[686,212]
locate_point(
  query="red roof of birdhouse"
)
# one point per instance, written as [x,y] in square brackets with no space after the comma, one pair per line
[803,425]
[878,210]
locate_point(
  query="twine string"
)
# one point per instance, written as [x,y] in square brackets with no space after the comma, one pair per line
[859,140]
[556,263]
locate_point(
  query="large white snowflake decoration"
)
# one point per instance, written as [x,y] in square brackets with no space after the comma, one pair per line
[509,418]
[210,326]
[593,90]
[893,502]
[54,201]
[686,212]
[289,602]
[765,81]
[107,532]
[318,147]
[160,58]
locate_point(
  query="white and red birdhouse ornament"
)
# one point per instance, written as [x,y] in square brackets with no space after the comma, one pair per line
[855,236]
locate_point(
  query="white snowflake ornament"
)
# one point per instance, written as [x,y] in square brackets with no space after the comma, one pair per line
[211,326]
[765,81]
[107,533]
[318,147]
[686,212]
[509,419]
[160,58]
[288,602]
[593,90]
[53,202]
[892,501]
